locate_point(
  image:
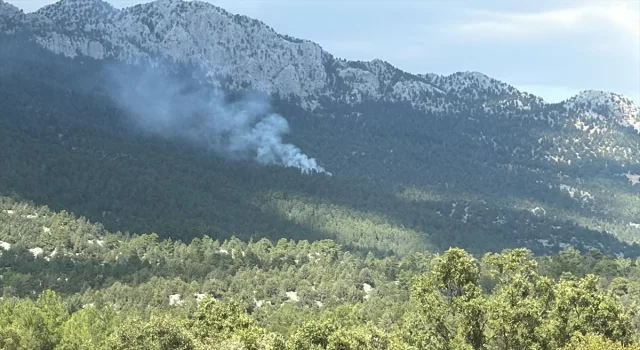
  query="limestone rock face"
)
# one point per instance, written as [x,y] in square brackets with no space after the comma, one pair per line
[247,53]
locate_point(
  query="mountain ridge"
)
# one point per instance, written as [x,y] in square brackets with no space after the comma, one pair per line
[300,73]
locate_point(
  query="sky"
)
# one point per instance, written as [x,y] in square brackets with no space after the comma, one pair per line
[551,48]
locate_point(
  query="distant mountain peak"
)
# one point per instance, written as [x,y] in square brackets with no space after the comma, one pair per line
[245,52]
[476,87]
[619,108]
[599,96]
[74,5]
[166,4]
[7,7]
[75,14]
[9,16]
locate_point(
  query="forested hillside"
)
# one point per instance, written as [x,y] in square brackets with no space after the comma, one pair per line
[69,146]
[82,287]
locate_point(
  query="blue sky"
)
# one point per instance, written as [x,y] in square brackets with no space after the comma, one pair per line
[552,48]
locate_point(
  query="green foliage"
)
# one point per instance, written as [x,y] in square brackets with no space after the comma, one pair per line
[216,322]
[32,325]
[448,309]
[595,342]
[256,295]
[87,328]
[523,310]
[159,333]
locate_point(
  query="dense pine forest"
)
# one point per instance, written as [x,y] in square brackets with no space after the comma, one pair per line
[69,147]
[87,288]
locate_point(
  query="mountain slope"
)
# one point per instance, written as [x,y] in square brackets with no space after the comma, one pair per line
[419,161]
[91,284]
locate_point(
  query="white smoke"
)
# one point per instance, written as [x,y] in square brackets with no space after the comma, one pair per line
[265,138]
[243,129]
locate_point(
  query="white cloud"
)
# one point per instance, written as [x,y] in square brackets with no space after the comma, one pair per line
[621,18]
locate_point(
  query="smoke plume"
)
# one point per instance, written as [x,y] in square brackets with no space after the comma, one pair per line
[240,129]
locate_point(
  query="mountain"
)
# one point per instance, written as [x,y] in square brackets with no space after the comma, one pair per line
[419,161]
[245,50]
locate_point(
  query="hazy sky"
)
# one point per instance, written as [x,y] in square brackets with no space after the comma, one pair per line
[553,48]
